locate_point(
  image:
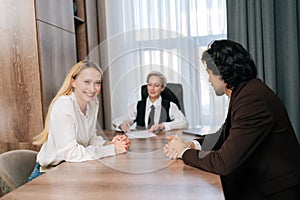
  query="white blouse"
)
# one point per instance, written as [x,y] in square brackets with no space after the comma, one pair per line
[72,135]
[178,119]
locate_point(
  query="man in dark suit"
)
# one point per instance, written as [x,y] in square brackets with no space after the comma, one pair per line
[257,154]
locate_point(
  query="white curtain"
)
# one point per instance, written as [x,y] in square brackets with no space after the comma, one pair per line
[167,36]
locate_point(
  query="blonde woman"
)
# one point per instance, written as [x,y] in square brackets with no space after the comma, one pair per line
[70,126]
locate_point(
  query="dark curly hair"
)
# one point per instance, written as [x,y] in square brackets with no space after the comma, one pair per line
[231,61]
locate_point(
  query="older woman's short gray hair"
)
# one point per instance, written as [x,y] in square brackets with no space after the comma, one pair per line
[163,79]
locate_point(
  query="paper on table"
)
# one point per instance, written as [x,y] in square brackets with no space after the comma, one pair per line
[140,134]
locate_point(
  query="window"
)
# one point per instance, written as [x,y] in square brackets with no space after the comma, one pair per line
[167,36]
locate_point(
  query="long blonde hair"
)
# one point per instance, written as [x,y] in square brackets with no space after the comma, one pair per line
[66,89]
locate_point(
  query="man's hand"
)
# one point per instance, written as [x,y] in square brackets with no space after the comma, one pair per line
[175,147]
[170,152]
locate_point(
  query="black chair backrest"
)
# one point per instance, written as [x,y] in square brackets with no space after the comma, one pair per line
[173,92]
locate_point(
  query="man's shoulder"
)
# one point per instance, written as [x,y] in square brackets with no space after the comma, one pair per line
[257,86]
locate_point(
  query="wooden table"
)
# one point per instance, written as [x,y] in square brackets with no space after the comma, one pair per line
[142,173]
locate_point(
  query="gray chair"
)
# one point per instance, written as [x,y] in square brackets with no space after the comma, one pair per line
[15,168]
[173,92]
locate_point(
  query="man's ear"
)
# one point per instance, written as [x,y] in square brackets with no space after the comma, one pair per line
[163,88]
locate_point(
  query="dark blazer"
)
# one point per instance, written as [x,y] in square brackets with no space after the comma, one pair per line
[141,111]
[257,154]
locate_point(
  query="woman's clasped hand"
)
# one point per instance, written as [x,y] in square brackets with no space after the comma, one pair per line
[122,143]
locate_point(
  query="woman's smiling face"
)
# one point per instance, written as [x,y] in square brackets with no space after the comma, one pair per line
[87,85]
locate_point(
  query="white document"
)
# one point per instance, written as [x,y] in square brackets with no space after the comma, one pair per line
[140,134]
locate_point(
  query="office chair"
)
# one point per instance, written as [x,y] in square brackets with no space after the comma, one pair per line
[15,168]
[173,92]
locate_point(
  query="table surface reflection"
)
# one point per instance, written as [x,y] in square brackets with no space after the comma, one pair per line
[142,173]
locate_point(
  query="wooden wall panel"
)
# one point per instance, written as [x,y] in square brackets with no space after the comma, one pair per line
[57,56]
[56,12]
[106,99]
[93,45]
[92,25]
[20,97]
[80,30]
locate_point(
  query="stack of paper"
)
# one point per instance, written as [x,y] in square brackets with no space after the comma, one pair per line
[140,134]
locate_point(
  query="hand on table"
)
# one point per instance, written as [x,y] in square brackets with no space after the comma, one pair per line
[175,147]
[125,126]
[156,127]
[122,143]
